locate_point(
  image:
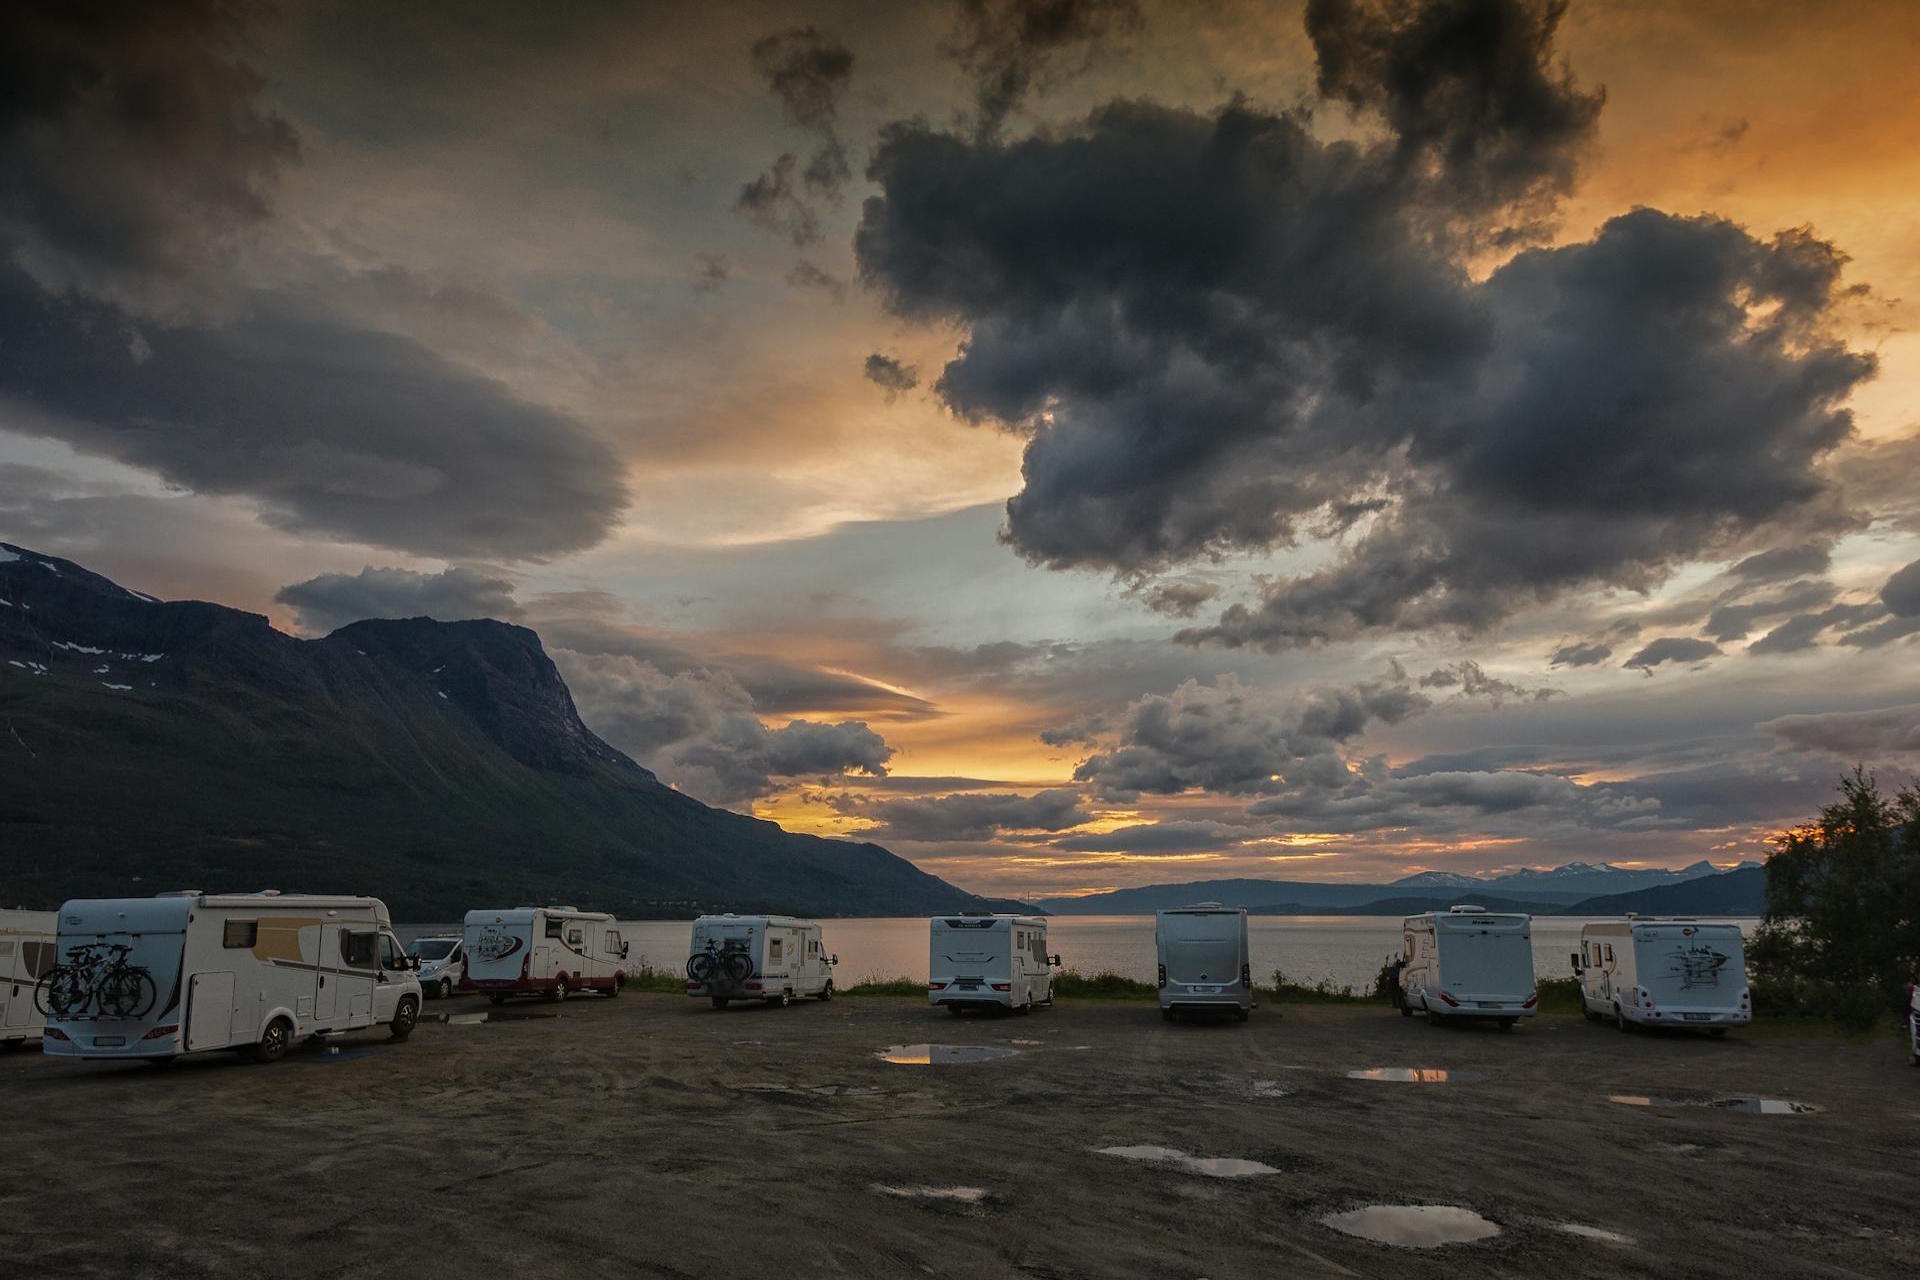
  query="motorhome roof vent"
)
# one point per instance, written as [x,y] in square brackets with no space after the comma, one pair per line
[1468,909]
[180,893]
[1208,906]
[563,908]
[269,893]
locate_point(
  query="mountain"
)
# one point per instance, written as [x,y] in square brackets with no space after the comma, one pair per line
[1740,892]
[1412,905]
[1308,895]
[1437,880]
[148,745]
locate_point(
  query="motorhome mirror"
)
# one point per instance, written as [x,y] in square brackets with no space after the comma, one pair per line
[624,948]
[1055,962]
[1575,957]
[833,959]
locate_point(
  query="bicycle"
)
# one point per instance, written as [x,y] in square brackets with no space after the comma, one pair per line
[90,979]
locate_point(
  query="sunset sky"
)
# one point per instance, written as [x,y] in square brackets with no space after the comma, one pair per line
[1073,443]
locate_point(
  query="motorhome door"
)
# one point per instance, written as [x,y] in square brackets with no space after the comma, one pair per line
[330,961]
[210,1011]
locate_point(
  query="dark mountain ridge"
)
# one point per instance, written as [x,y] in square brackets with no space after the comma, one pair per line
[148,745]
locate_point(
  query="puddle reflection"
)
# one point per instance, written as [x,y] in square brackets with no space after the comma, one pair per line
[1206,1166]
[1758,1106]
[942,1055]
[965,1195]
[1414,1226]
[1415,1075]
[1593,1233]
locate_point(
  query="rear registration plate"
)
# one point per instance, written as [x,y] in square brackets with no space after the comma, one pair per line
[1205,991]
[1489,1004]
[109,1042]
[1697,1017]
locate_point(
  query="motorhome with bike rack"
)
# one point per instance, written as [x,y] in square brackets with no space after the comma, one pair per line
[189,972]
[1467,962]
[1205,965]
[978,961]
[778,959]
[1654,971]
[543,951]
[26,956]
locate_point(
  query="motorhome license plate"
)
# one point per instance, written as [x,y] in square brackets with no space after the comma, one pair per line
[1206,991]
[1696,1017]
[109,1042]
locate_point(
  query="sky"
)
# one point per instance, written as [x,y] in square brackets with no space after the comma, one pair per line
[1074,443]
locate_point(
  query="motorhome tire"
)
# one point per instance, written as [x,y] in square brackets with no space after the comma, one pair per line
[719,1002]
[1027,1008]
[559,991]
[1506,1024]
[954,1009]
[826,992]
[404,1019]
[1166,1015]
[1626,1027]
[613,991]
[446,988]
[498,997]
[1433,1019]
[274,1041]
[783,999]
[1717,1032]
[1241,1014]
[1406,1010]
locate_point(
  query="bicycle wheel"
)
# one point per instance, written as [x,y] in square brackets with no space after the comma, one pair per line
[68,991]
[127,993]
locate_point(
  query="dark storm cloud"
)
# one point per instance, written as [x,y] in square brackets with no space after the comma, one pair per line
[891,376]
[1473,682]
[1672,649]
[1220,333]
[1014,47]
[972,816]
[1803,631]
[1178,599]
[1469,88]
[1236,739]
[699,729]
[1901,594]
[130,136]
[333,429]
[1734,621]
[808,72]
[334,599]
[1782,563]
[805,275]
[1853,735]
[1581,655]
[1883,633]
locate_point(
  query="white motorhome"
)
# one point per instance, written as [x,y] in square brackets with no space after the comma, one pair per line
[1468,962]
[27,955]
[187,972]
[543,951]
[1204,960]
[1650,971]
[778,959]
[989,962]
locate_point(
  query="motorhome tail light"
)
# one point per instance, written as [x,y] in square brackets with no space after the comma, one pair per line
[1246,976]
[161,1033]
[526,964]
[936,986]
[751,986]
[1163,975]
[1449,999]
[1003,986]
[55,1033]
[1531,1001]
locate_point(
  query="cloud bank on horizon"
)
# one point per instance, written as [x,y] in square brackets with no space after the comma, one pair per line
[1382,497]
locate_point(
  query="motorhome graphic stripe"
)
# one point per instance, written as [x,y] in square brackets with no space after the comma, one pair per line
[321,968]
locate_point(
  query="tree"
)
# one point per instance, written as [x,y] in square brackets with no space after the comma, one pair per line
[1842,930]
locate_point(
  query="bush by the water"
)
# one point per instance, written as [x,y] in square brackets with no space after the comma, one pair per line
[1074,985]
[1841,936]
[647,976]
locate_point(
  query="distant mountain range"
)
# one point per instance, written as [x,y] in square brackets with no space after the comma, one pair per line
[1575,889]
[149,745]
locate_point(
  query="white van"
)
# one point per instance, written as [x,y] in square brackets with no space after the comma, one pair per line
[26,955]
[989,962]
[191,971]
[1204,961]
[1651,971]
[441,961]
[777,959]
[1468,962]
[543,951]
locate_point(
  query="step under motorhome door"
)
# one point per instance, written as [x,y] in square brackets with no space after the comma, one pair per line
[210,1011]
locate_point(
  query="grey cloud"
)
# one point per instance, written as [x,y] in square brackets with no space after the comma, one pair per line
[699,730]
[1173,837]
[1581,655]
[334,599]
[1734,621]
[1785,562]
[1853,735]
[1178,599]
[809,73]
[1884,633]
[711,272]
[1220,333]
[1803,631]
[1473,682]
[332,428]
[807,276]
[973,816]
[1901,594]
[1013,47]
[891,376]
[1235,739]
[1671,649]
[131,137]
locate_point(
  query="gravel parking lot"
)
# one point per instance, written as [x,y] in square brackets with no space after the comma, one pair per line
[654,1136]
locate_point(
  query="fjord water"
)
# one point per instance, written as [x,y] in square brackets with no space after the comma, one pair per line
[1343,950]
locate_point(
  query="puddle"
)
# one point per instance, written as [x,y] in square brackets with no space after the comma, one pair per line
[1415,1226]
[1416,1075]
[465,1019]
[1206,1166]
[1758,1106]
[942,1055]
[1593,1233]
[1025,1042]
[965,1195]
[328,1055]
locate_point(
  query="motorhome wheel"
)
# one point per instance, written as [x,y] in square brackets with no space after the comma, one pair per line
[1506,1024]
[783,999]
[1717,1032]
[613,992]
[1626,1028]
[1027,1008]
[404,1019]
[954,1009]
[559,991]
[719,1002]
[273,1041]
[446,988]
[1406,1010]
[1241,1014]
[826,992]
[1433,1019]
[498,997]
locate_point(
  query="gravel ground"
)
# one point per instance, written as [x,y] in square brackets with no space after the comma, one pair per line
[654,1136]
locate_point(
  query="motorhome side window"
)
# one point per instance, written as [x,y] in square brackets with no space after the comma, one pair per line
[1039,947]
[358,949]
[239,933]
[553,927]
[613,942]
[391,956]
[38,958]
[576,936]
[773,951]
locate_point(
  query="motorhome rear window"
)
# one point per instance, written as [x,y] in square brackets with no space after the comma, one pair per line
[359,949]
[239,933]
[773,950]
[553,927]
[1609,953]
